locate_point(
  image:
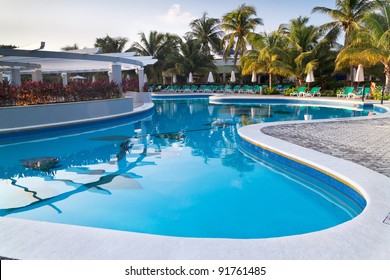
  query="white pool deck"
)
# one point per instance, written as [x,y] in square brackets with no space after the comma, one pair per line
[365,237]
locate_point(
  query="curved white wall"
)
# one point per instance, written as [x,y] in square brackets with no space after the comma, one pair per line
[37,116]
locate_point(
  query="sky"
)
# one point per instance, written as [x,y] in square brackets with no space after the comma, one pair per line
[62,23]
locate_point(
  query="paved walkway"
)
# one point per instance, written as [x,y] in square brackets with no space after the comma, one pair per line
[366,142]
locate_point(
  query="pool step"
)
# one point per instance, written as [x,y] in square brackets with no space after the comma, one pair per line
[387,219]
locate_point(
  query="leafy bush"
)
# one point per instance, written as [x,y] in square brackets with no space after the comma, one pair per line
[272,90]
[328,92]
[377,95]
[130,84]
[290,90]
[32,93]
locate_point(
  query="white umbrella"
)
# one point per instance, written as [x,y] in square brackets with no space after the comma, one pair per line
[93,79]
[254,77]
[233,77]
[359,74]
[78,77]
[310,78]
[145,78]
[127,77]
[190,78]
[174,79]
[360,78]
[210,79]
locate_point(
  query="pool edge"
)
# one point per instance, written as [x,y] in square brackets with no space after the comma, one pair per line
[365,237]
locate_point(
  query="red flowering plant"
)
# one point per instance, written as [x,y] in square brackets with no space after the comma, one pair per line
[130,84]
[7,94]
[31,93]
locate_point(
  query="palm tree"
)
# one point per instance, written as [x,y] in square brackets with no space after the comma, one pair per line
[267,55]
[70,47]
[151,46]
[302,41]
[188,59]
[157,45]
[347,16]
[111,45]
[239,24]
[371,45]
[206,32]
[8,47]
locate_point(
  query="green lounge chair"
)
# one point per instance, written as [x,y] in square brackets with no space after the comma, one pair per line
[346,93]
[300,91]
[194,88]
[228,89]
[284,88]
[236,88]
[245,89]
[186,88]
[359,94]
[313,92]
[222,88]
[201,88]
[257,89]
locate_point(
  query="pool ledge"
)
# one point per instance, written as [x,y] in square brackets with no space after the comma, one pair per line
[365,237]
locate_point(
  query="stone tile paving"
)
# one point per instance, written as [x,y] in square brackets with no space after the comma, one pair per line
[366,142]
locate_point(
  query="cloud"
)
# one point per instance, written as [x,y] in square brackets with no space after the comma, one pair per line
[174,16]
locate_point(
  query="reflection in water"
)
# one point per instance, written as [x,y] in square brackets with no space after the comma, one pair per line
[92,160]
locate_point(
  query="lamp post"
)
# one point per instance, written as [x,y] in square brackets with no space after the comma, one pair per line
[382,95]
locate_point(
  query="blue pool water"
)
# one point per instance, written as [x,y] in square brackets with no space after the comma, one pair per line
[180,172]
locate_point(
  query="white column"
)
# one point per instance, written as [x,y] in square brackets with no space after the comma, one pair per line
[64,77]
[37,75]
[15,76]
[116,74]
[141,81]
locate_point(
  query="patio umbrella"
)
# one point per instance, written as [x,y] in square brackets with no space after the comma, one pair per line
[309,78]
[127,77]
[359,74]
[174,79]
[254,77]
[145,78]
[360,78]
[190,78]
[210,79]
[233,77]
[93,79]
[78,77]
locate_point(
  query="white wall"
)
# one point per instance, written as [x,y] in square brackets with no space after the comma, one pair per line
[19,117]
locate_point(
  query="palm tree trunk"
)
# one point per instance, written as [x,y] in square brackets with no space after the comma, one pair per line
[270,80]
[387,74]
[351,74]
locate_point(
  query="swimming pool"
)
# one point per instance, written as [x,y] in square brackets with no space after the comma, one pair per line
[180,172]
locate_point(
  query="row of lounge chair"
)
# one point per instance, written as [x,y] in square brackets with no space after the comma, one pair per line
[302,92]
[213,89]
[350,92]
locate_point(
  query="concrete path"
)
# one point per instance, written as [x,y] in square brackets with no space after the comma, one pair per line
[365,142]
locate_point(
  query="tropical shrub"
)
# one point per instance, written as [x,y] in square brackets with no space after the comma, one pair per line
[290,90]
[271,90]
[32,93]
[328,92]
[377,95]
[130,84]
